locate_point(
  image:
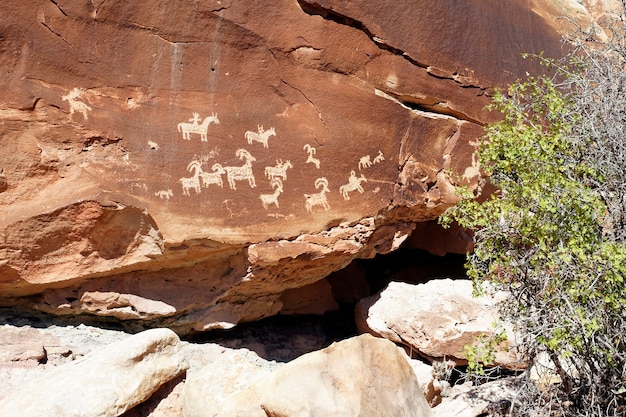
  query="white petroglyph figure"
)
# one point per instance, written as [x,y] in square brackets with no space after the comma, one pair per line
[75,104]
[472,171]
[260,135]
[198,129]
[365,162]
[379,158]
[318,199]
[267,199]
[153,145]
[279,170]
[354,184]
[214,177]
[189,183]
[311,159]
[244,172]
[164,195]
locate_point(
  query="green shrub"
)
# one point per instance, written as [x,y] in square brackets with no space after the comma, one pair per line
[554,233]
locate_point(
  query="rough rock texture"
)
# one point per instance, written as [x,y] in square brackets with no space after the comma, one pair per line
[489,399]
[207,389]
[103,383]
[188,162]
[362,376]
[435,320]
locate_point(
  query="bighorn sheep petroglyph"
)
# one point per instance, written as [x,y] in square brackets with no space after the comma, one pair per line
[311,159]
[318,199]
[268,199]
[240,173]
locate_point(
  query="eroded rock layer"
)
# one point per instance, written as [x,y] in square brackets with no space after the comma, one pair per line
[186,163]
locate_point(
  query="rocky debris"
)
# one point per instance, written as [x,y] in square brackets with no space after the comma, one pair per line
[361,376]
[187,178]
[106,382]
[435,320]
[491,399]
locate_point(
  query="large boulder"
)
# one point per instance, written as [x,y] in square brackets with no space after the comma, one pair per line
[363,376]
[208,388]
[106,382]
[437,320]
[187,163]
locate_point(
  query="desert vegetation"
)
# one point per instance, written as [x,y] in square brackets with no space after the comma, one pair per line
[554,233]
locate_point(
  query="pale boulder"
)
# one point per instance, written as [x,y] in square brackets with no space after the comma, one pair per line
[208,388]
[435,320]
[362,376]
[106,382]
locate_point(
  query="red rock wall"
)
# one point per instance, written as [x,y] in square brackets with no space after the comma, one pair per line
[188,162]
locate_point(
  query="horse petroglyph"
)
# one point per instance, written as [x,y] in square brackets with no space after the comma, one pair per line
[268,199]
[164,194]
[260,135]
[75,104]
[318,199]
[311,159]
[199,129]
[279,170]
[241,173]
[354,184]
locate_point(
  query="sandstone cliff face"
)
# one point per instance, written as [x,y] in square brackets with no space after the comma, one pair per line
[186,163]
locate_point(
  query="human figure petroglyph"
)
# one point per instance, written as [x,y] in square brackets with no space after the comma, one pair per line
[199,129]
[240,173]
[318,199]
[379,158]
[268,199]
[164,194]
[279,170]
[311,159]
[75,104]
[260,135]
[214,177]
[189,183]
[365,162]
[354,184]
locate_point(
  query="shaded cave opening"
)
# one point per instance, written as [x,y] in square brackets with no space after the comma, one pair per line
[284,337]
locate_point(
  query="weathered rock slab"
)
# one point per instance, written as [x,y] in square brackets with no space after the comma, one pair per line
[177,163]
[106,382]
[436,319]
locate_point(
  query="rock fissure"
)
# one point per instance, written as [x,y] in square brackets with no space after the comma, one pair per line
[332,15]
[58,7]
[60,36]
[319,113]
[426,110]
